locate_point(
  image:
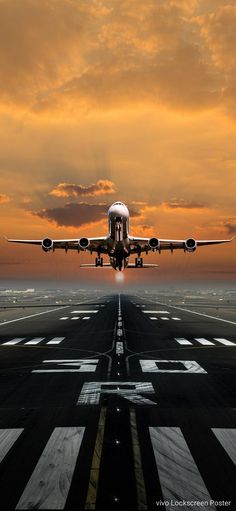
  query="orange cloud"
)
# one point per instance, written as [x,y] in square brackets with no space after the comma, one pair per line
[182,204]
[4,198]
[102,187]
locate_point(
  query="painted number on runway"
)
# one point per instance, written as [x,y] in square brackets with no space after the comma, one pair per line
[171,366]
[70,366]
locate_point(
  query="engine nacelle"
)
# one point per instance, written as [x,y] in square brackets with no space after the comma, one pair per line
[84,243]
[154,243]
[47,244]
[190,245]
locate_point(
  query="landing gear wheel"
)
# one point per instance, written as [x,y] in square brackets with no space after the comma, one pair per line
[99,261]
[138,262]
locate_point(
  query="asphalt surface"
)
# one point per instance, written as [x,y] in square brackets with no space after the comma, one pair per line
[118,402]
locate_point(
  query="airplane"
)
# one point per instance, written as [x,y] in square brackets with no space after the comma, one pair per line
[118,244]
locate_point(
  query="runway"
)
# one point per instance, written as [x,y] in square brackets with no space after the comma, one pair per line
[118,402]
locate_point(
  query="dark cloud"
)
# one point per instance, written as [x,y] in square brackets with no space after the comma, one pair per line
[101,187]
[76,214]
[231,227]
[183,204]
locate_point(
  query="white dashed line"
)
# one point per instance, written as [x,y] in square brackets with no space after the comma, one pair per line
[224,341]
[36,340]
[74,318]
[153,317]
[63,318]
[14,341]
[176,319]
[84,312]
[156,312]
[56,340]
[183,341]
[165,319]
[203,341]
[86,317]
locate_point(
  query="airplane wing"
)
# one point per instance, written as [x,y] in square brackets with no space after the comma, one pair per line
[188,245]
[47,244]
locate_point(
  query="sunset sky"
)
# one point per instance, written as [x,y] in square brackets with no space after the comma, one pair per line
[105,100]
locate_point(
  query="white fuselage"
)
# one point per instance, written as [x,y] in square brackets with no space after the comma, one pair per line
[118,239]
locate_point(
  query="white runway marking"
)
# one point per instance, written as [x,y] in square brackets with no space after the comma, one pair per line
[86,317]
[227,438]
[179,476]
[176,319]
[84,312]
[204,315]
[50,481]
[183,341]
[34,341]
[56,340]
[156,312]
[75,317]
[91,392]
[188,366]
[33,315]
[153,318]
[78,365]
[7,439]
[14,341]
[119,347]
[119,332]
[64,317]
[165,319]
[203,341]
[224,341]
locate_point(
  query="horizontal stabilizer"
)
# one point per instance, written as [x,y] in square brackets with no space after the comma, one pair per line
[105,265]
[132,265]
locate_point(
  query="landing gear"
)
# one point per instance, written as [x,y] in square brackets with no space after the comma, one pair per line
[138,262]
[99,261]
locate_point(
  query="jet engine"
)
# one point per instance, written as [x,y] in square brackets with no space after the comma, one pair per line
[190,245]
[47,244]
[84,243]
[154,243]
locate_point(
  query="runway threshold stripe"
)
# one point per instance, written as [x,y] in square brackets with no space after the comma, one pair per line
[14,341]
[179,476]
[95,467]
[227,438]
[34,341]
[138,469]
[50,481]
[56,340]
[224,341]
[84,312]
[7,439]
[203,341]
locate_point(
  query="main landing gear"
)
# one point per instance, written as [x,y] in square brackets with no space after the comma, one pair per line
[138,262]
[99,261]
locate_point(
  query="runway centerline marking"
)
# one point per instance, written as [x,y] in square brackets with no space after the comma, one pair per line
[34,315]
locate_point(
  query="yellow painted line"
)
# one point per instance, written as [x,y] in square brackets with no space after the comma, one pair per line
[138,469]
[95,467]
